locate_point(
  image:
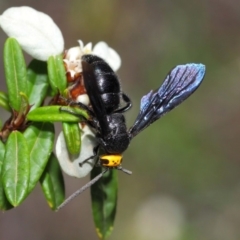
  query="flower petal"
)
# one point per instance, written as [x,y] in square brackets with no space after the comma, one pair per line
[70,163]
[102,50]
[73,53]
[113,59]
[83,98]
[35,31]
[87,48]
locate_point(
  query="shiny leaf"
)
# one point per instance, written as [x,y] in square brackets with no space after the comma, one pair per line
[72,135]
[15,72]
[37,82]
[4,203]
[53,184]
[57,74]
[4,101]
[24,104]
[104,201]
[16,168]
[40,139]
[54,114]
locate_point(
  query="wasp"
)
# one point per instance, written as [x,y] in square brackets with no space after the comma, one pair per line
[107,115]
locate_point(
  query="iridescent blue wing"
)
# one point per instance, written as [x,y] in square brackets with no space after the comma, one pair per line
[179,84]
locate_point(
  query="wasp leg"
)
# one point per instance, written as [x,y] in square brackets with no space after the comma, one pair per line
[89,184]
[128,102]
[95,152]
[124,170]
[81,105]
[93,122]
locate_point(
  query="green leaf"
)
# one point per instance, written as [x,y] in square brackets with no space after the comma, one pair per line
[16,168]
[4,101]
[15,72]
[72,135]
[50,92]
[4,203]
[104,201]
[24,106]
[57,74]
[77,111]
[37,82]
[40,139]
[52,183]
[54,114]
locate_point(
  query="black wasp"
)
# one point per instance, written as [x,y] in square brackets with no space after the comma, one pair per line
[103,88]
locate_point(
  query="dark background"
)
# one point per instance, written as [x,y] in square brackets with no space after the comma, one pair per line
[186,181]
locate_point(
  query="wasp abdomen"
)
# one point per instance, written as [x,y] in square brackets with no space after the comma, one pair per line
[107,82]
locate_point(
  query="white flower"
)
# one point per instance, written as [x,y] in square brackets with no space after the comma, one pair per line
[83,98]
[35,31]
[73,56]
[70,163]
[41,38]
[108,54]
[87,49]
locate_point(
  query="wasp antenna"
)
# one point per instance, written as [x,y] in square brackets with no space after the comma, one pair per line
[124,170]
[79,191]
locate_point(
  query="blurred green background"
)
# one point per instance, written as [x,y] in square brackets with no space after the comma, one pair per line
[186,168]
